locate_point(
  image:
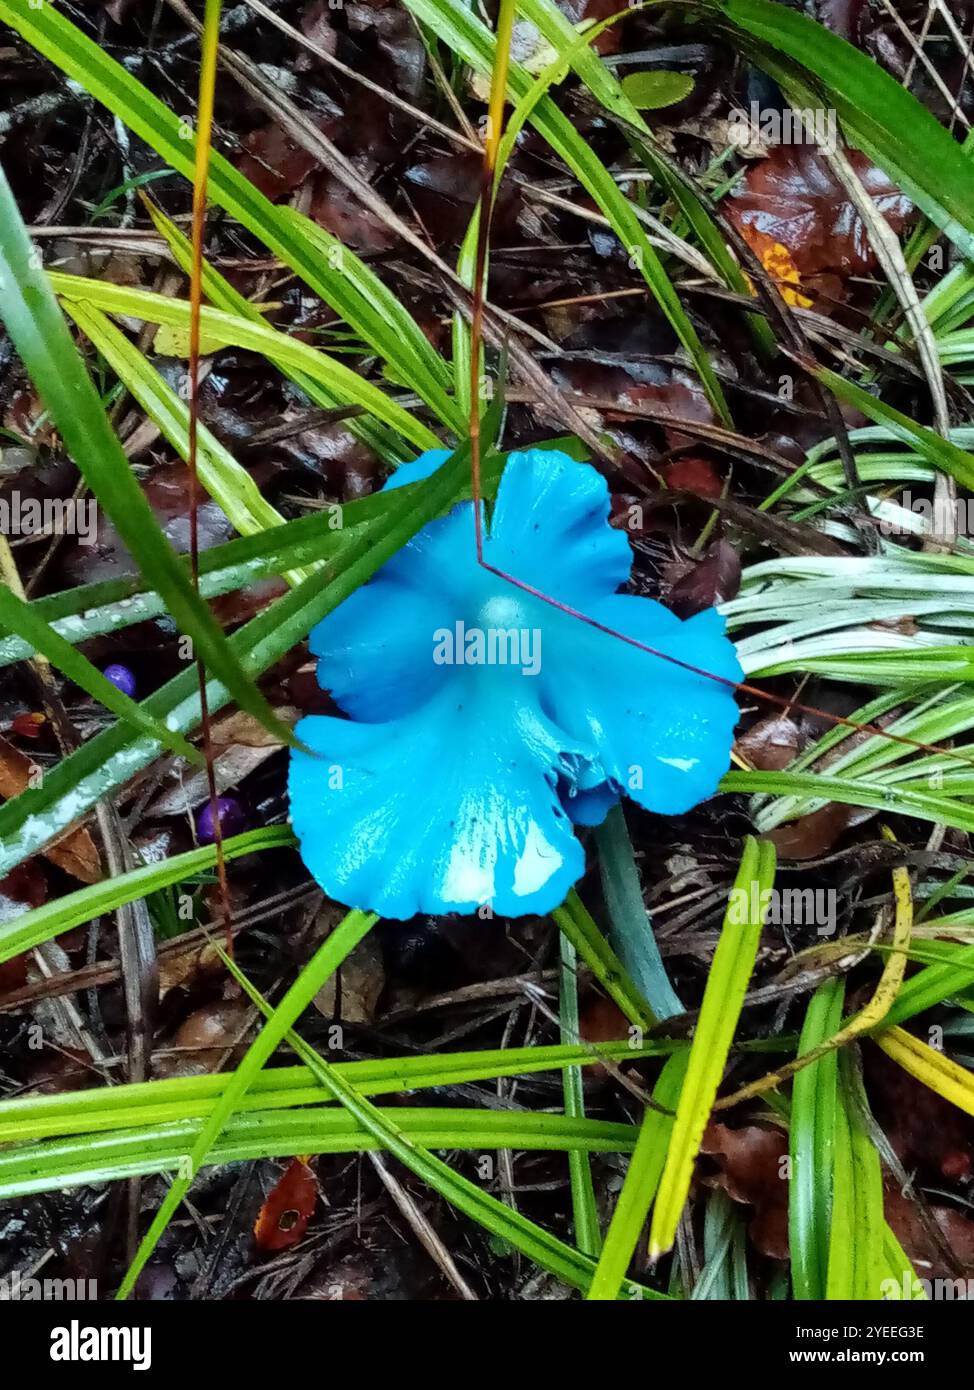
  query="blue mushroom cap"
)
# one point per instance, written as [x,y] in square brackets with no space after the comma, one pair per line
[484,722]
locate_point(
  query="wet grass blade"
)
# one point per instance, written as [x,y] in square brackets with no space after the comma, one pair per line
[229,484]
[856,791]
[641,1182]
[167,1101]
[950,1080]
[857,1263]
[228,330]
[812,1147]
[222,295]
[588,1233]
[631,930]
[576,923]
[949,458]
[724,995]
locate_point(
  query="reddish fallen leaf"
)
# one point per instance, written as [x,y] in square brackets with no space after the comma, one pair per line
[75,852]
[841,16]
[751,1170]
[27,725]
[696,475]
[713,579]
[317,26]
[601,1020]
[273,163]
[284,1217]
[770,744]
[920,1247]
[792,198]
[167,490]
[335,209]
[23,889]
[13,974]
[814,834]
[930,1137]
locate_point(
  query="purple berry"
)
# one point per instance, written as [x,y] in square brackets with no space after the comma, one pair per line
[121,677]
[233,819]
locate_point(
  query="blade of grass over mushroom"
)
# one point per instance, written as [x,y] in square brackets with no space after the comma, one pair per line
[641,1181]
[812,1146]
[40,335]
[229,330]
[722,1001]
[462,32]
[332,270]
[323,964]
[20,618]
[222,295]
[569,1264]
[61,914]
[631,930]
[164,1101]
[106,761]
[877,113]
[950,1080]
[588,1234]
[575,922]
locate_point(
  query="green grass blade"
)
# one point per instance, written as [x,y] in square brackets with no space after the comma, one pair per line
[163,1101]
[222,295]
[641,1182]
[812,1147]
[724,995]
[230,331]
[575,922]
[61,914]
[588,1233]
[229,484]
[631,928]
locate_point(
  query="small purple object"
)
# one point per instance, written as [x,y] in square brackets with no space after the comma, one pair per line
[121,677]
[232,819]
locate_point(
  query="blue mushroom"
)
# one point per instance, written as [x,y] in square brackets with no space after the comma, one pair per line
[484,723]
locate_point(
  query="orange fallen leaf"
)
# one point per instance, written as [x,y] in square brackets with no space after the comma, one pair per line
[284,1217]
